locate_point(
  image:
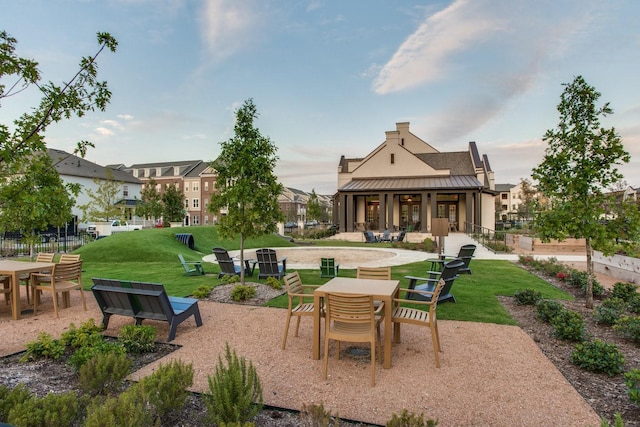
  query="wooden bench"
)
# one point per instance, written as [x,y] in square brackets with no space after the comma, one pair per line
[142,300]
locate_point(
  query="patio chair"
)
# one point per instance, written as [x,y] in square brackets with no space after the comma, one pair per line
[465,254]
[415,316]
[229,266]
[369,237]
[26,280]
[328,267]
[399,237]
[65,277]
[375,273]
[192,268]
[448,274]
[386,236]
[351,318]
[69,258]
[297,305]
[269,265]
[6,288]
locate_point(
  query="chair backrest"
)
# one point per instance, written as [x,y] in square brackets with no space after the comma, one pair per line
[45,257]
[369,237]
[65,258]
[401,236]
[375,273]
[221,254]
[267,261]
[450,273]
[386,235]
[350,309]
[293,283]
[436,294]
[67,271]
[328,267]
[465,254]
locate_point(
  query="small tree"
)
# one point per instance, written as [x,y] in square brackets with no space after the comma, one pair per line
[151,206]
[245,183]
[578,164]
[528,194]
[314,209]
[102,205]
[173,200]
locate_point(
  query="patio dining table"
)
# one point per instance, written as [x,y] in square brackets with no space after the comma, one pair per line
[14,269]
[381,290]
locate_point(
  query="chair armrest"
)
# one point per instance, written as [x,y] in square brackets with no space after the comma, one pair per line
[380,309]
[425,279]
[412,301]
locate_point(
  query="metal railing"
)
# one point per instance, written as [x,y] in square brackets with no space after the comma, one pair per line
[495,241]
[11,247]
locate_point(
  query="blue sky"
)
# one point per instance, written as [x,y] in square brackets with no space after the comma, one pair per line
[330,77]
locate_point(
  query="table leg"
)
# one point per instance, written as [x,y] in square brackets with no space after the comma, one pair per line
[387,332]
[15,297]
[316,326]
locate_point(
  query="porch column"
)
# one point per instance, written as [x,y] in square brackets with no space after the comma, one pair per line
[382,214]
[469,204]
[349,209]
[424,226]
[434,206]
[390,219]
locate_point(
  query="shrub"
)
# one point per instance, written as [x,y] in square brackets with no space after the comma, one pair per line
[625,291]
[546,310]
[569,325]
[527,260]
[127,409]
[632,381]
[236,393]
[89,351]
[316,415]
[202,292]
[609,311]
[274,283]
[242,293]
[617,421]
[227,280]
[578,279]
[527,296]
[44,347]
[598,356]
[410,419]
[105,373]
[166,388]
[51,410]
[11,398]
[82,336]
[634,304]
[428,245]
[138,338]
[629,327]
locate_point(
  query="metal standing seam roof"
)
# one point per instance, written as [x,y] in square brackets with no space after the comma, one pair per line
[418,183]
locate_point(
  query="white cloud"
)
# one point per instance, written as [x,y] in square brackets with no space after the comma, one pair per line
[227,26]
[104,131]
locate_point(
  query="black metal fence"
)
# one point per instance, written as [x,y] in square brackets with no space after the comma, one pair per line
[495,241]
[16,247]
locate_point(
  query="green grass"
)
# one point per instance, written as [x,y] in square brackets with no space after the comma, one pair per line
[152,256]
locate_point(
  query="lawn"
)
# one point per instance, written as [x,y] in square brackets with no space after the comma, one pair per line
[152,256]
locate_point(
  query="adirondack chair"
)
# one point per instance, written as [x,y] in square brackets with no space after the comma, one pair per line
[386,236]
[449,274]
[230,266]
[399,237]
[465,254]
[369,237]
[269,265]
[192,268]
[328,267]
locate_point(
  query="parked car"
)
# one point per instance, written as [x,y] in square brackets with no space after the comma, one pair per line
[291,224]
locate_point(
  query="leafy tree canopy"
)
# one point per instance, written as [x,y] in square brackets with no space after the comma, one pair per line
[173,200]
[102,201]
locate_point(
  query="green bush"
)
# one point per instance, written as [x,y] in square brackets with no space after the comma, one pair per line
[127,409]
[632,381]
[89,351]
[243,293]
[166,388]
[138,338]
[617,421]
[274,283]
[227,279]
[410,419]
[569,325]
[629,327]
[50,411]
[44,347]
[634,304]
[579,279]
[598,356]
[11,398]
[428,245]
[624,291]
[317,416]
[235,391]
[202,292]
[82,336]
[609,311]
[105,373]
[527,296]
[546,310]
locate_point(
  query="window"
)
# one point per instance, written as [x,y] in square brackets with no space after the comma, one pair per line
[158,187]
[206,186]
[186,203]
[504,207]
[196,203]
[195,186]
[206,203]
[504,196]
[186,187]
[393,158]
[195,220]
[125,191]
[206,219]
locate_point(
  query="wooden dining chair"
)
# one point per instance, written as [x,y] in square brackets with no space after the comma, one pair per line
[298,302]
[25,279]
[64,277]
[64,258]
[375,273]
[352,318]
[6,288]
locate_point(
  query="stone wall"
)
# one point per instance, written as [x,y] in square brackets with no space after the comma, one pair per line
[622,267]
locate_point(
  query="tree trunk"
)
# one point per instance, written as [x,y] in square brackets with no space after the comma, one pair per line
[589,290]
[242,258]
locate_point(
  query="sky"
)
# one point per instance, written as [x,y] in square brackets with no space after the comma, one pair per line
[329,78]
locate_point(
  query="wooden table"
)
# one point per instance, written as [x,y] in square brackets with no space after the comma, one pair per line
[14,269]
[382,290]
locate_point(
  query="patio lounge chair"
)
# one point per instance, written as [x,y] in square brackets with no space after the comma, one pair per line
[369,237]
[230,266]
[399,237]
[269,265]
[386,236]
[328,267]
[192,268]
[465,254]
[449,274]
